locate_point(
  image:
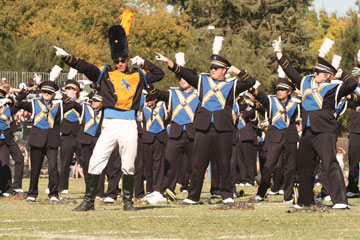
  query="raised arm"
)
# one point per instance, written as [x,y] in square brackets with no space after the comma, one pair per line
[186,73]
[285,65]
[91,71]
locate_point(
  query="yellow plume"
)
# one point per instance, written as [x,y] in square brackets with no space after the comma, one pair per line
[127,18]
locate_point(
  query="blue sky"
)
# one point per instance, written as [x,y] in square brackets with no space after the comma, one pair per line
[340,6]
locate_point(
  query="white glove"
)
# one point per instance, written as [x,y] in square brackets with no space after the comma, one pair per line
[58,96]
[161,57]
[37,78]
[356,71]
[61,52]
[4,101]
[338,74]
[276,44]
[137,61]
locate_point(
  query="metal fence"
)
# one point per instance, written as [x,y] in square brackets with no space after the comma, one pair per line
[14,79]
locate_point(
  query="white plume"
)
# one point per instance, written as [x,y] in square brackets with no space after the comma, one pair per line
[358,57]
[55,73]
[180,58]
[336,61]
[281,72]
[217,45]
[325,47]
[72,73]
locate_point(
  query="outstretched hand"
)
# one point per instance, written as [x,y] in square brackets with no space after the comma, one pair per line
[161,57]
[61,52]
[276,44]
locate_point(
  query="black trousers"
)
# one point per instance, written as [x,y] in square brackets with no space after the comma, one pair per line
[211,144]
[67,149]
[86,152]
[234,167]
[178,153]
[18,158]
[37,158]
[323,145]
[185,173]
[215,178]
[5,172]
[354,158]
[275,151]
[154,165]
[139,170]
[278,174]
[245,152]
[262,156]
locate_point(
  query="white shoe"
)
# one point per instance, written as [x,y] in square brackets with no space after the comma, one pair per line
[341,206]
[234,195]
[6,194]
[30,199]
[215,196]
[352,195]
[97,198]
[291,201]
[65,191]
[189,201]
[237,184]
[109,200]
[248,185]
[296,206]
[228,200]
[327,198]
[19,190]
[273,193]
[318,184]
[156,198]
[258,198]
[47,191]
[184,191]
[54,199]
[281,192]
[242,185]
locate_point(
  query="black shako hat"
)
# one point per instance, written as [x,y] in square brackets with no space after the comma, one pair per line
[218,61]
[49,86]
[284,83]
[118,43]
[325,66]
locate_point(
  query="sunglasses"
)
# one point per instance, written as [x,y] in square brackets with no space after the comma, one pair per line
[122,61]
[215,68]
[47,92]
[69,88]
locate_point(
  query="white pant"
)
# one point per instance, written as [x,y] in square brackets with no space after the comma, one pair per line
[115,132]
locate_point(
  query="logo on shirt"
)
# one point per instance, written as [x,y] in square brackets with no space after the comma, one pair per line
[127,85]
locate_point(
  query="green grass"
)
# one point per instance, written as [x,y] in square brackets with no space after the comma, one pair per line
[269,220]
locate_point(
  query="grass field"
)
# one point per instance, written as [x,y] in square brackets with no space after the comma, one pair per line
[269,220]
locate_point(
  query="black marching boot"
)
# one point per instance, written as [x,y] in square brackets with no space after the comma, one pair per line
[92,182]
[128,189]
